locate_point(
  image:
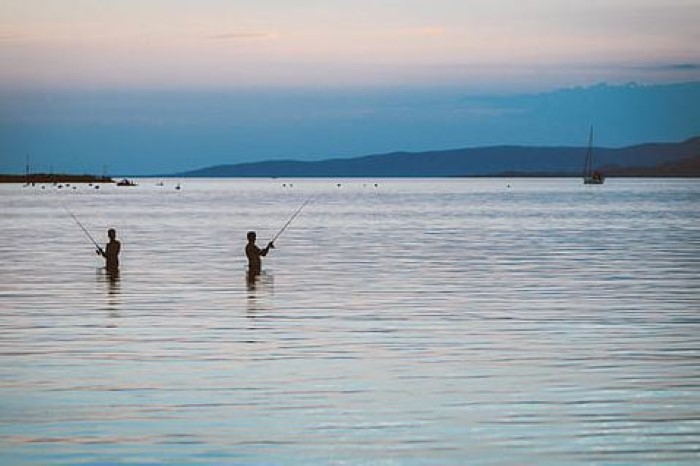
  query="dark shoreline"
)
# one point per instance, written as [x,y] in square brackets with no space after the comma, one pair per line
[50,179]
[46,178]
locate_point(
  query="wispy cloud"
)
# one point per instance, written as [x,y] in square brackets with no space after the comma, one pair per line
[8,37]
[685,66]
[232,36]
[672,67]
[425,31]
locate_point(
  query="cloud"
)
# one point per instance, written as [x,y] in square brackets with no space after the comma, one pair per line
[673,67]
[685,66]
[244,36]
[425,31]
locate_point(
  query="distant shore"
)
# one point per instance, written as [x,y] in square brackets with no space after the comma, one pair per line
[673,159]
[48,178]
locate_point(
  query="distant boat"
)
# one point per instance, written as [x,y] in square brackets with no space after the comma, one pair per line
[590,174]
[126,182]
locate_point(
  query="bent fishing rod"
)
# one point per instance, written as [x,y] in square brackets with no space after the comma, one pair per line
[289,222]
[85,230]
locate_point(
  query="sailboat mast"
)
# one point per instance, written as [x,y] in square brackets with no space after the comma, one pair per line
[588,168]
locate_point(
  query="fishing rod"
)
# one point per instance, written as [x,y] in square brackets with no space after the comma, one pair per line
[294,215]
[99,248]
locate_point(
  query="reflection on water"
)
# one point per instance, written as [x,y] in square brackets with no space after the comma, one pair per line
[403,322]
[261,288]
[112,281]
[262,281]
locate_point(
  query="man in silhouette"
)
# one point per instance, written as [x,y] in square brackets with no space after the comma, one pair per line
[111,252]
[254,254]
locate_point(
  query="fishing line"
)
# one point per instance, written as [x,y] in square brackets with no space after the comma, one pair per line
[82,227]
[294,215]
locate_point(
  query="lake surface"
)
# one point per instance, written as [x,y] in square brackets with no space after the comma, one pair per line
[417,322]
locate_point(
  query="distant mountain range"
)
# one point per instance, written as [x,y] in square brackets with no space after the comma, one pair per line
[655,159]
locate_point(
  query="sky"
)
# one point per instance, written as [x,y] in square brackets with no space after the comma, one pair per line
[153,86]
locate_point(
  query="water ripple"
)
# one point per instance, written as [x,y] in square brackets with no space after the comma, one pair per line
[419,322]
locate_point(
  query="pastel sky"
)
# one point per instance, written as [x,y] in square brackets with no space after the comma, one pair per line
[231,43]
[152,86]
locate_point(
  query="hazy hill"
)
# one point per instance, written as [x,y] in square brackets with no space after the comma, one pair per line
[688,167]
[485,161]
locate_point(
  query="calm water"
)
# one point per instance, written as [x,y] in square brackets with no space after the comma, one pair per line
[415,322]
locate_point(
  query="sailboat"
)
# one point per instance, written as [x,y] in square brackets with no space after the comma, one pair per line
[591,175]
[27,174]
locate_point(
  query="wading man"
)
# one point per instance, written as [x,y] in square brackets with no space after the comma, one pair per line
[254,254]
[111,251]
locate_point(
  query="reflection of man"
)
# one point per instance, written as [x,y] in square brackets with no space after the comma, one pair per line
[254,254]
[111,251]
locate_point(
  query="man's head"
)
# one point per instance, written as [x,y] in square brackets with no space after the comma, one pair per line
[251,236]
[112,233]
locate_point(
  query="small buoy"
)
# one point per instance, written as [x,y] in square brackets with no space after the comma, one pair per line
[339,185]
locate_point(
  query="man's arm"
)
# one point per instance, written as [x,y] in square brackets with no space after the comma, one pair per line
[270,245]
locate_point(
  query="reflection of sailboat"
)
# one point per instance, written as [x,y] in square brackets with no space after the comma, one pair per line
[591,175]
